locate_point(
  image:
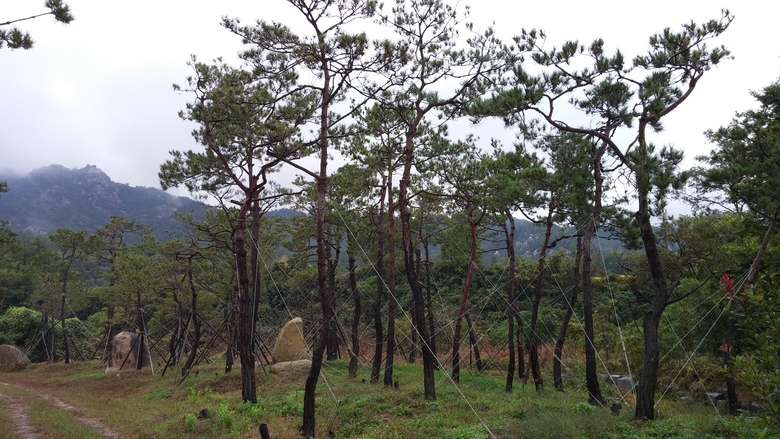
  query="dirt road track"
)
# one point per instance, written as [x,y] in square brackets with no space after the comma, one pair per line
[20,412]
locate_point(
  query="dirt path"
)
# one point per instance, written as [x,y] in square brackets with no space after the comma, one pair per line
[20,412]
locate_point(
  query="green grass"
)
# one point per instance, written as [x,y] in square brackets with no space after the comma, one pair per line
[142,405]
[51,421]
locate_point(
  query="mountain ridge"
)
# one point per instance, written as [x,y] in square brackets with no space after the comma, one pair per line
[85,198]
[54,196]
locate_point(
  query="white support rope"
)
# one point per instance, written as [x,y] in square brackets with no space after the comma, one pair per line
[422,340]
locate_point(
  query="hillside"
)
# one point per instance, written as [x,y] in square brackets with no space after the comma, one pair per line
[84,199]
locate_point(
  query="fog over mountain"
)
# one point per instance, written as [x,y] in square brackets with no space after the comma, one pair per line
[84,199]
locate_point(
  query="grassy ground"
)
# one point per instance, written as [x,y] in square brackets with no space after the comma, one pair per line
[145,405]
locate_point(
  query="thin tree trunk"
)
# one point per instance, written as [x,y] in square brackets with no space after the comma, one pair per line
[53,342]
[232,332]
[43,350]
[141,324]
[645,394]
[177,336]
[429,382]
[255,264]
[333,340]
[464,299]
[474,344]
[355,351]
[509,235]
[413,336]
[429,300]
[323,256]
[245,316]
[391,272]
[533,349]
[731,328]
[195,322]
[65,337]
[380,287]
[591,377]
[558,353]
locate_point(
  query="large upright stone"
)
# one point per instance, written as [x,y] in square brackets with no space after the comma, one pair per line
[125,349]
[12,359]
[290,345]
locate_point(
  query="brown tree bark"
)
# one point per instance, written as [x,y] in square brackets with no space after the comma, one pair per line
[645,395]
[464,298]
[334,242]
[429,382]
[391,272]
[474,344]
[196,333]
[245,315]
[512,313]
[533,349]
[558,352]
[591,378]
[376,365]
[354,352]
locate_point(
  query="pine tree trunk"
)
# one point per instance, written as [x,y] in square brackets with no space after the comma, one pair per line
[533,354]
[429,382]
[464,298]
[645,395]
[509,235]
[591,377]
[391,274]
[731,328]
[141,324]
[474,344]
[65,338]
[323,256]
[355,351]
[195,322]
[557,355]
[332,351]
[431,324]
[245,318]
[376,365]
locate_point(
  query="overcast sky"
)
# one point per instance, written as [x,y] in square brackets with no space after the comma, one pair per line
[98,91]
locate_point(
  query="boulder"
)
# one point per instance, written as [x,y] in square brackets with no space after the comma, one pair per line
[290,345]
[124,352]
[625,384]
[712,398]
[12,359]
[292,369]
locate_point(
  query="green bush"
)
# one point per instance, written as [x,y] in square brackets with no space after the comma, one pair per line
[18,326]
[190,422]
[226,417]
[758,369]
[293,403]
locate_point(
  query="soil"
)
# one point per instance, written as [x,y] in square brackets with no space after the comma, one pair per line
[20,412]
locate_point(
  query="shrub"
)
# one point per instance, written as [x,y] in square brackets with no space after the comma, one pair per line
[759,369]
[18,326]
[190,422]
